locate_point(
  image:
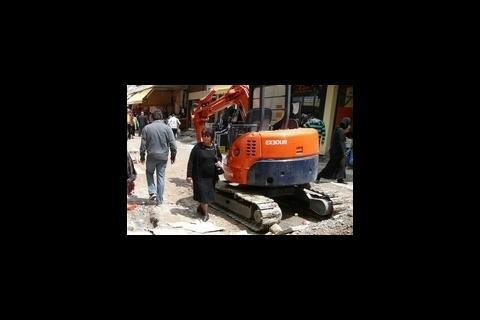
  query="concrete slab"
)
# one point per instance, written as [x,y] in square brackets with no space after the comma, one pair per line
[201,227]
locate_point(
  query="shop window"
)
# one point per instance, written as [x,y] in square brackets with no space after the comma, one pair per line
[311,98]
[273,96]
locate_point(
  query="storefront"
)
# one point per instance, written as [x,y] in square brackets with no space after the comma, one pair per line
[329,103]
[167,98]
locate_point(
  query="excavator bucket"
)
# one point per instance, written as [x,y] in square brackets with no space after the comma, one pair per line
[317,202]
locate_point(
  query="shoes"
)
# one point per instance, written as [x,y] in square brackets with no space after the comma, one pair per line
[153,197]
[341,181]
[205,217]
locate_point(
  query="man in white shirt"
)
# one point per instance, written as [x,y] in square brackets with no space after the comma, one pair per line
[173,122]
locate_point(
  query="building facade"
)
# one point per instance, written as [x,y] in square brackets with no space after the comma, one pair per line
[329,103]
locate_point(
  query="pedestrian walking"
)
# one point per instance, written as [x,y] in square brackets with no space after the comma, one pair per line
[204,159]
[157,140]
[335,168]
[173,122]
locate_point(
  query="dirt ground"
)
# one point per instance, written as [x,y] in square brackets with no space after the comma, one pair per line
[177,215]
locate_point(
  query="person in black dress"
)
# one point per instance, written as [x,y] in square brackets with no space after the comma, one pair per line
[204,157]
[335,168]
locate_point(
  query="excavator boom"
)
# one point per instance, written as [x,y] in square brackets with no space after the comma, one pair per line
[237,94]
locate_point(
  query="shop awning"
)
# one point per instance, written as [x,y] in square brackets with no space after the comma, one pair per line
[138,97]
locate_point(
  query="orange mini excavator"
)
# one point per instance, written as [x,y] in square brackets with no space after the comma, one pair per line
[267,158]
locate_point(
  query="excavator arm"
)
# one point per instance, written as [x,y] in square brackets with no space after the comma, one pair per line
[237,94]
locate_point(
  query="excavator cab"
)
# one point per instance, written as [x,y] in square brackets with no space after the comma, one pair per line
[253,123]
[254,116]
